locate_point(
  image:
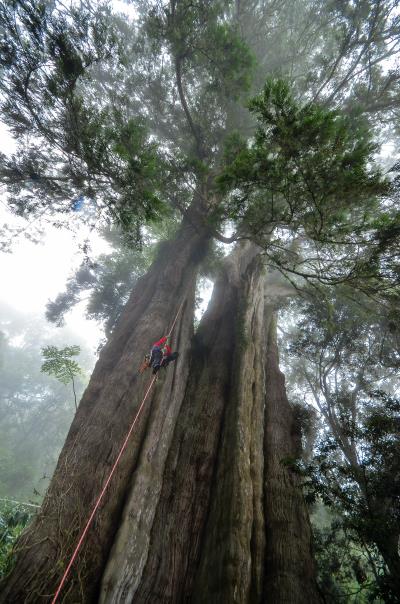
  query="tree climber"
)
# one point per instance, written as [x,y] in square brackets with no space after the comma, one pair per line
[161,355]
[168,356]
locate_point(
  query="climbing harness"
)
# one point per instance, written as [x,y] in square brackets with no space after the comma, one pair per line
[107,482]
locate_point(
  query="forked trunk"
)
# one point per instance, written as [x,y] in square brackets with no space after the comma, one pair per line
[163,569]
[209,534]
[203,508]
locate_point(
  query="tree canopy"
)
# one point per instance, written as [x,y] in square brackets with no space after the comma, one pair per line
[183,72]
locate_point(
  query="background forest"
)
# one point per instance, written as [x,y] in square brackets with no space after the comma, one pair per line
[249,145]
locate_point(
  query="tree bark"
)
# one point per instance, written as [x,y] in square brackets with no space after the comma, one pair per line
[387,544]
[171,557]
[100,424]
[231,566]
[201,509]
[290,572]
[205,535]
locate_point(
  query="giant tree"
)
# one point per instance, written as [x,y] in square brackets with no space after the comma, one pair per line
[208,450]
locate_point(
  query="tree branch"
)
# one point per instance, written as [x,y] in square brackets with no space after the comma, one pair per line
[224,239]
[178,71]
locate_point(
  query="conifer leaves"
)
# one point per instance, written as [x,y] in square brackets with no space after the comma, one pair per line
[307,189]
[311,166]
[213,65]
[80,144]
[45,51]
[205,37]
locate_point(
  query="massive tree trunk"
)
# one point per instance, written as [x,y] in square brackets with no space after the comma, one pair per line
[106,409]
[232,560]
[202,508]
[205,534]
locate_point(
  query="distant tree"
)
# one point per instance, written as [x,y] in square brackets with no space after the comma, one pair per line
[59,362]
[35,409]
[105,282]
[348,571]
[342,348]
[366,494]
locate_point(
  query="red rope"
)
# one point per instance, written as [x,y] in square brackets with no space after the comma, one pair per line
[100,497]
[176,317]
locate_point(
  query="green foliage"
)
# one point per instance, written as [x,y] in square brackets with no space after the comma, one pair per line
[346,570]
[365,495]
[138,123]
[308,191]
[134,115]
[35,409]
[14,518]
[208,65]
[101,114]
[310,165]
[78,144]
[384,256]
[354,339]
[59,362]
[192,31]
[116,148]
[342,348]
[108,280]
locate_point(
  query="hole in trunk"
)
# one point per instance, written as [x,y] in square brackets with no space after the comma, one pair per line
[204,289]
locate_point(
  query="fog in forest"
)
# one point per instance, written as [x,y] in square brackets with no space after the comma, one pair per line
[226,174]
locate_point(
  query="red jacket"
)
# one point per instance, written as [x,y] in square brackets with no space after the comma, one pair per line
[160,343]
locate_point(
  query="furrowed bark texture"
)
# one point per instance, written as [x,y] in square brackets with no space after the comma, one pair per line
[257,543]
[231,565]
[171,557]
[204,537]
[202,509]
[99,427]
[289,567]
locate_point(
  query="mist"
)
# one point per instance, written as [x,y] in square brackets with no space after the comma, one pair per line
[224,175]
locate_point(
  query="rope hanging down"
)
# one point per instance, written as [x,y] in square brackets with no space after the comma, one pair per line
[176,318]
[107,482]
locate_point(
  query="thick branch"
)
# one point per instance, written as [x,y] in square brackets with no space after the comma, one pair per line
[178,70]
[224,239]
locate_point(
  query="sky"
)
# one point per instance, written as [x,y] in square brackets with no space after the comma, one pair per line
[33,273]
